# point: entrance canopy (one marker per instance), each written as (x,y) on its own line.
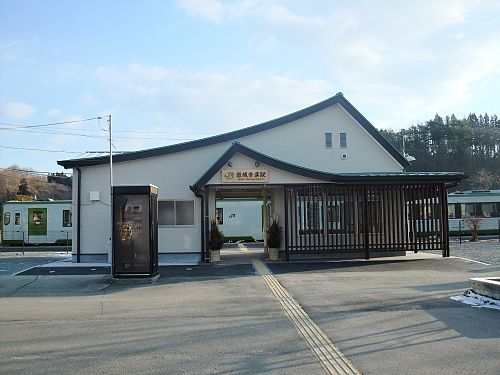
(298,174)
(340,214)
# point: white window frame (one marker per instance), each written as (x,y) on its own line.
(330,145)
(340,140)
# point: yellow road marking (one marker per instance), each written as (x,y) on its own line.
(330,356)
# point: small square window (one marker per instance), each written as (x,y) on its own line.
(328,140)
(343,140)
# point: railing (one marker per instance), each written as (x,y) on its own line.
(366,218)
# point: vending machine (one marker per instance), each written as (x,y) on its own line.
(135,231)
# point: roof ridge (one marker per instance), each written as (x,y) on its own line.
(244,132)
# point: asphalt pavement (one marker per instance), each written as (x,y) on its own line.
(390,316)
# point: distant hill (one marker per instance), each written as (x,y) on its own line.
(21,181)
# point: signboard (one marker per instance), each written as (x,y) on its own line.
(245,175)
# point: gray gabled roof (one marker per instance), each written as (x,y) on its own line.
(237,134)
(448,178)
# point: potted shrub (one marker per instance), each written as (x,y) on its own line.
(274,236)
(215,241)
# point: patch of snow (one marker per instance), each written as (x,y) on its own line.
(477,300)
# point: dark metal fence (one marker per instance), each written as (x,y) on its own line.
(366,218)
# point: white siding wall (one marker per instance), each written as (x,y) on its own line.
(276,176)
(300,142)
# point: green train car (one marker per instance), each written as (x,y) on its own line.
(36,222)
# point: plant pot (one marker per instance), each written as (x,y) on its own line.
(274,253)
(214,256)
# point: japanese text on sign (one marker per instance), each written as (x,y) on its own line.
(244,175)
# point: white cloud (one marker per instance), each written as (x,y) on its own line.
(89,100)
(18,110)
(269,11)
(211,10)
(210,101)
(54,112)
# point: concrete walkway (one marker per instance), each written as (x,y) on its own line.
(389,316)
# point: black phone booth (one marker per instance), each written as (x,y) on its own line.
(135,231)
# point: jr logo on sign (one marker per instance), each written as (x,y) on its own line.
(229,175)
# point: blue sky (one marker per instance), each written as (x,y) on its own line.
(170,71)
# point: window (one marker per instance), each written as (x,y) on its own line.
(468,210)
(17,218)
(6,218)
(343,140)
(38,218)
(220,215)
(487,209)
(176,213)
(328,140)
(67,219)
(454,211)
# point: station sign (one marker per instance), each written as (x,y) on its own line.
(245,175)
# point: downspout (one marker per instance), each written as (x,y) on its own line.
(201,195)
(78,213)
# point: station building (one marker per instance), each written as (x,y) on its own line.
(336,185)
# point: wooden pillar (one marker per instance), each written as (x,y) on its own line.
(287,202)
(366,238)
(265,223)
(443,200)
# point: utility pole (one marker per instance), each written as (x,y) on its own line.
(110,154)
(110,128)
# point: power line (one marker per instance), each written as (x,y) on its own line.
(53,132)
(32,171)
(50,124)
(94,136)
(159,132)
(37,149)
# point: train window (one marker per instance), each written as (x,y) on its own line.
(67,218)
(17,218)
(6,218)
(487,209)
(451,211)
(468,210)
(38,218)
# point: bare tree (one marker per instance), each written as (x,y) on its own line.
(474,224)
(484,180)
